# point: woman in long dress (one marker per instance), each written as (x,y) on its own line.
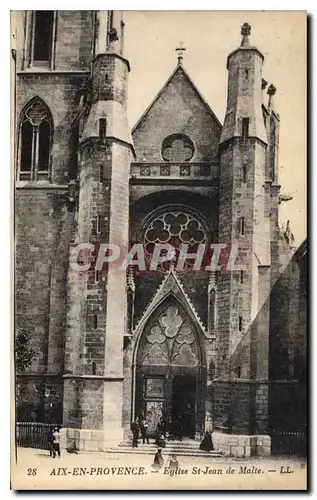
(206,444)
(158,460)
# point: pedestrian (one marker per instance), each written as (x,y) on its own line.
(206,444)
(144,430)
(56,442)
(159,441)
(158,460)
(173,462)
(135,433)
(50,444)
(163,426)
(178,429)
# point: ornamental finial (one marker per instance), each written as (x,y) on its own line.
(271,91)
(245,32)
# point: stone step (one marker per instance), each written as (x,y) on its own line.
(175,444)
(185,448)
(148,450)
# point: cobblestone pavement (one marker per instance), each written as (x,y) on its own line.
(35,469)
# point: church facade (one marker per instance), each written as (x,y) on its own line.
(197,348)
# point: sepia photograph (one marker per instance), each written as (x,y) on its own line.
(159,242)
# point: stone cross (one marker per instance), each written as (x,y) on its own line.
(180,52)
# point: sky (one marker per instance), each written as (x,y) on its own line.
(209,36)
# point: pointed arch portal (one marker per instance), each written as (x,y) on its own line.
(170,371)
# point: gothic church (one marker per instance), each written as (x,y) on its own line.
(206,351)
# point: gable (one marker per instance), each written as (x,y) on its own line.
(177,109)
(171,285)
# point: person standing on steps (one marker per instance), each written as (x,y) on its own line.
(159,441)
(144,430)
(135,433)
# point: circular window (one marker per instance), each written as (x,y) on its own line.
(177,148)
(174,227)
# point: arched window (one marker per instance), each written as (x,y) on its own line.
(35,140)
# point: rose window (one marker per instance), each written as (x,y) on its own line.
(174,228)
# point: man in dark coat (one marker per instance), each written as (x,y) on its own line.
(144,430)
(50,444)
(135,434)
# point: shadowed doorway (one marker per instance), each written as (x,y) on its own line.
(184,405)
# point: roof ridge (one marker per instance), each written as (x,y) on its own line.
(157,95)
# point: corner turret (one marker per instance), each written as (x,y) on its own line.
(244,116)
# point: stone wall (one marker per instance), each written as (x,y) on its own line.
(288,333)
(43,231)
(44,216)
(242,446)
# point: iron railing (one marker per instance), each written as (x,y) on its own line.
(284,442)
(34,434)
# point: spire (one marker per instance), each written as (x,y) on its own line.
(288,235)
(245,32)
(180,52)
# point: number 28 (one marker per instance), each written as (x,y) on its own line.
(31,472)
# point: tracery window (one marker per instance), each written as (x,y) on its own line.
(177,148)
(35,139)
(170,340)
(174,227)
